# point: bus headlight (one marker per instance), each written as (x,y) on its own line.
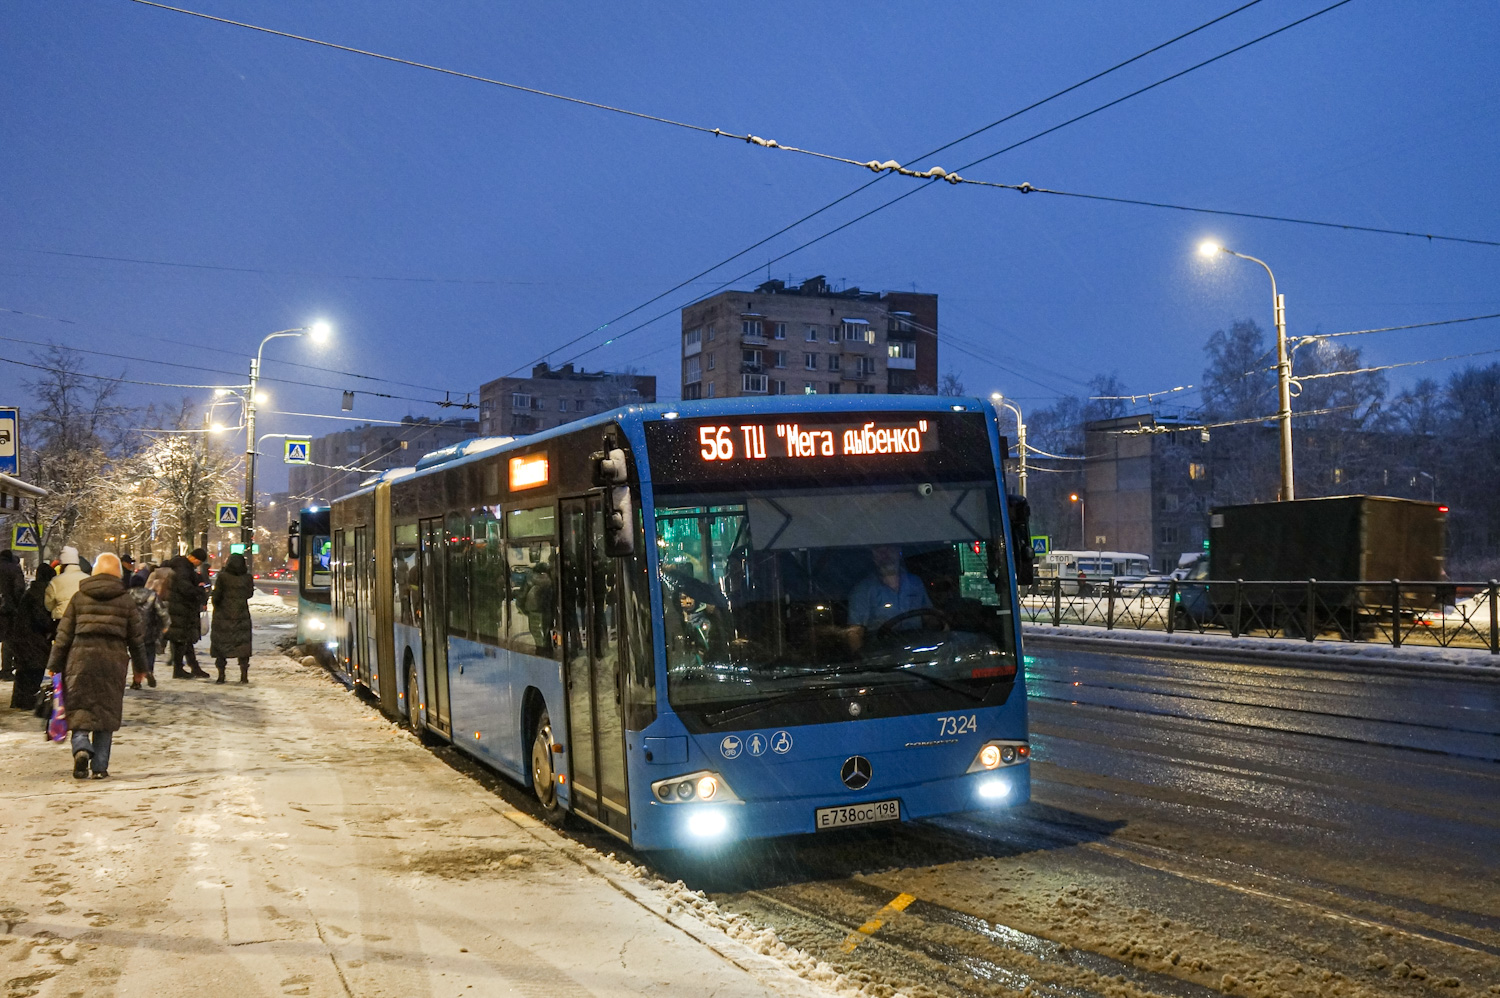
(995,789)
(998,754)
(316,624)
(694,788)
(708,824)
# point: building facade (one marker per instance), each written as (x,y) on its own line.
(512,407)
(793,339)
(370,449)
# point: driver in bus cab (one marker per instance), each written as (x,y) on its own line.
(887,592)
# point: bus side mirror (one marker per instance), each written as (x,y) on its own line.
(294,542)
(619,522)
(1020,539)
(609,465)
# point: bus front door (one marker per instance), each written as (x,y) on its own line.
(434,624)
(590,625)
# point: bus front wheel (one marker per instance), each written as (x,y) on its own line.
(543,776)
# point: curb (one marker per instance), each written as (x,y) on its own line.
(1369,658)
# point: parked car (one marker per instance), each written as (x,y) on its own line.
(1473,611)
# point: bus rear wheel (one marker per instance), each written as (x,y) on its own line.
(543,777)
(413,712)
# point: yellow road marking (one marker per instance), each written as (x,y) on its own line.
(894,907)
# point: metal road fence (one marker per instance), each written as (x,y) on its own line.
(1443,614)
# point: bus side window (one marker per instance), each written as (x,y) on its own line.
(406,583)
(533,575)
(489,576)
(458,575)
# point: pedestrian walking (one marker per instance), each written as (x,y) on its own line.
(153,628)
(185,603)
(70,575)
(12,588)
(229,631)
(31,640)
(98,637)
(127,569)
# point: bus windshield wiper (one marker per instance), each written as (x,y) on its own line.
(934,680)
(755,706)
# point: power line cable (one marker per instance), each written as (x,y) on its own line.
(839,200)
(954,178)
(1391,367)
(1388,329)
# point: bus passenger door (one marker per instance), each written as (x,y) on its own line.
(434,612)
(590,625)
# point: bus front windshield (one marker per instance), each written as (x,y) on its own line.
(771,593)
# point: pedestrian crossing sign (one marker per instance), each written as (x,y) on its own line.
(1041,543)
(229,514)
(23,537)
(296,451)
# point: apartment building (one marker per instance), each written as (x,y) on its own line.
(511,407)
(809,339)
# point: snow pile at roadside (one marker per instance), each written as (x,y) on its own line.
(261,602)
(1283,648)
(683,901)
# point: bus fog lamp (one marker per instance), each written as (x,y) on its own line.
(685,790)
(707,824)
(1008,754)
(989,756)
(994,789)
(664,791)
(707,787)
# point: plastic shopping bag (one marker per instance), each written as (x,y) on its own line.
(57,725)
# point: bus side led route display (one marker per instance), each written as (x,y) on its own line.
(758,441)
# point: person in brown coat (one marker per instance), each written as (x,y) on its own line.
(98,637)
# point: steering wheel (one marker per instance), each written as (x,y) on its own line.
(885,629)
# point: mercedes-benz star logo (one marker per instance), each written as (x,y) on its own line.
(856,772)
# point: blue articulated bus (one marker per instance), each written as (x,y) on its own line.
(712,621)
(309,544)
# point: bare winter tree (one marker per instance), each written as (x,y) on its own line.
(951,384)
(175,480)
(76,427)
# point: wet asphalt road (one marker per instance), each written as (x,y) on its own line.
(1388,760)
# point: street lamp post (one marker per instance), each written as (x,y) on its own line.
(319,332)
(1083,534)
(999,400)
(1283,367)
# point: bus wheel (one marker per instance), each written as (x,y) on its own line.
(413,713)
(543,778)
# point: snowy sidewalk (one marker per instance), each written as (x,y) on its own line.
(285,839)
(1351,654)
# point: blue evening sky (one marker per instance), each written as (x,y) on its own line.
(454,231)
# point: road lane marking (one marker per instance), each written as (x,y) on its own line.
(894,907)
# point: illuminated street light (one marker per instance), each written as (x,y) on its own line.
(319,332)
(1083,535)
(999,400)
(1210,248)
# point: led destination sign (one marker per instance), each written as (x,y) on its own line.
(756,441)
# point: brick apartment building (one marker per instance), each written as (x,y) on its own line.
(511,407)
(792,339)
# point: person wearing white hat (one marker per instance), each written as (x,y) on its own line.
(61,589)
